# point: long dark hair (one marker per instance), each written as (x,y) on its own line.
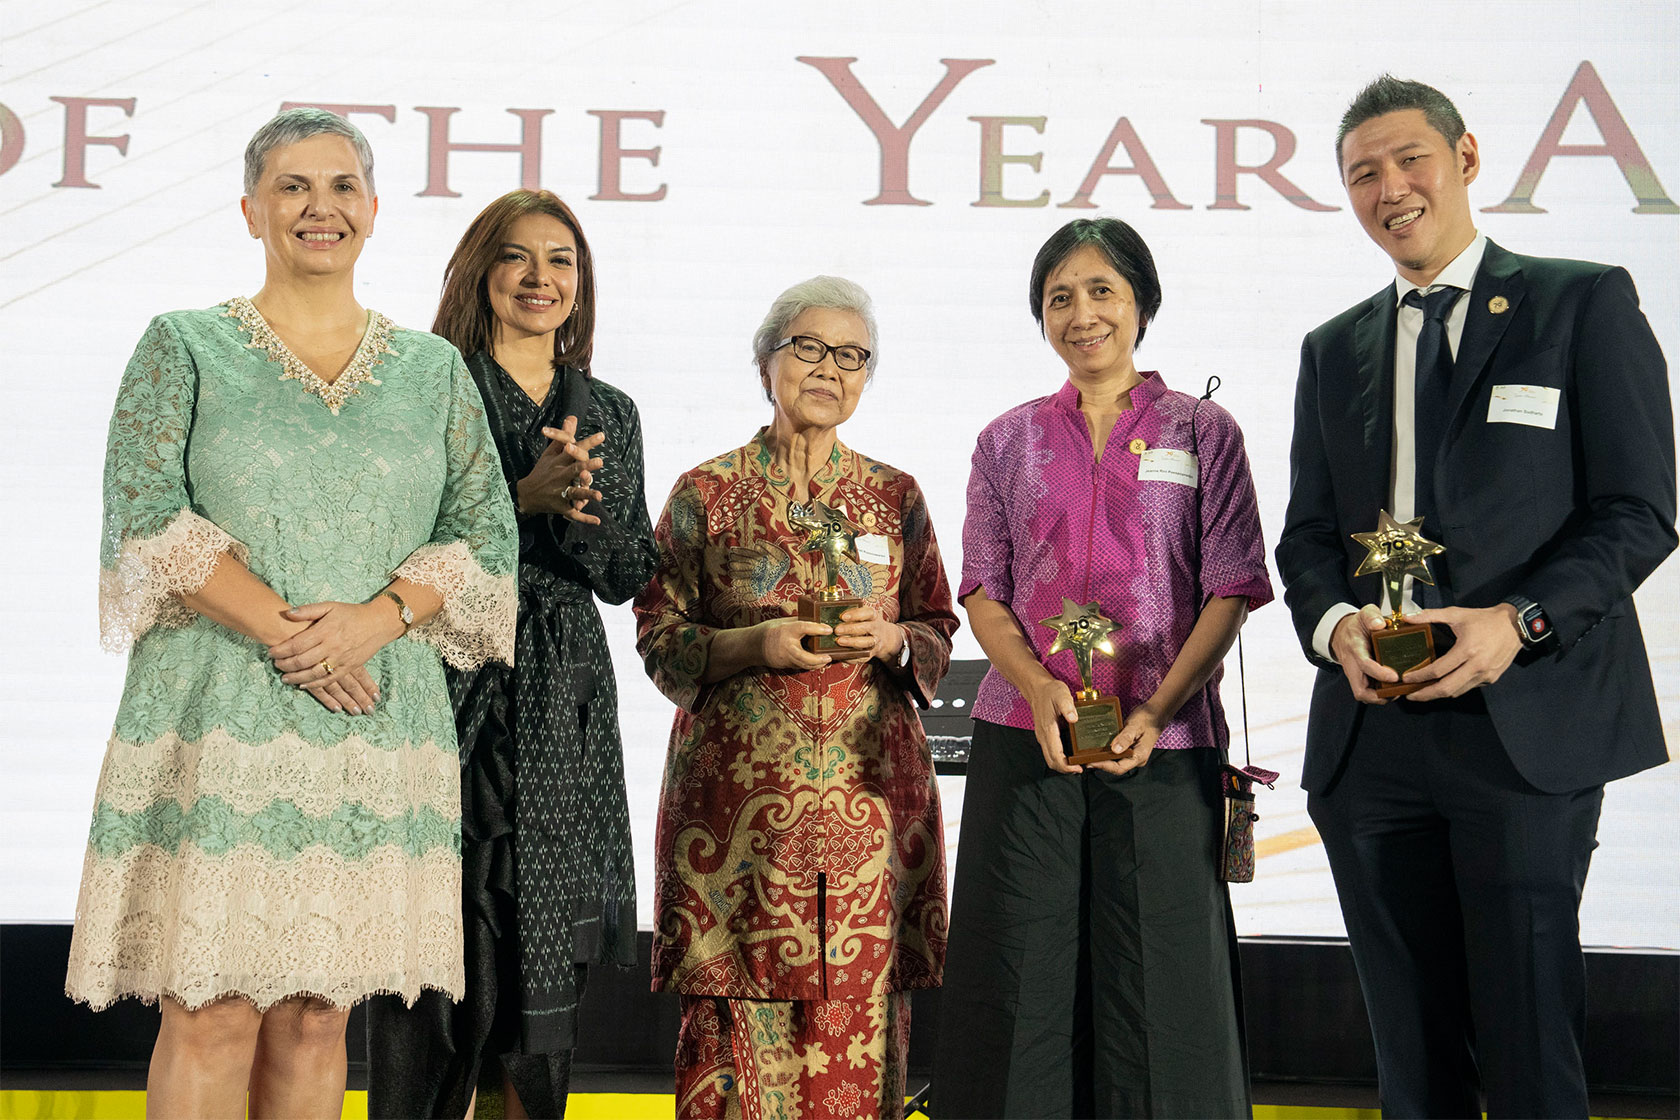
(464,316)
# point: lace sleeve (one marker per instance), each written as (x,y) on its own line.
(473,556)
(154,547)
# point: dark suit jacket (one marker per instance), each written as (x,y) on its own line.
(1574,517)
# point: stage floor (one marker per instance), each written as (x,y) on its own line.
(118,1094)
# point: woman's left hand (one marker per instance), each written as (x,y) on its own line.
(341,637)
(863,628)
(1134,744)
(577,477)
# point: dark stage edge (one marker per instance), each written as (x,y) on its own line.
(1307,1035)
(1278,1094)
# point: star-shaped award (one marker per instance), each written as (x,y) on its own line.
(830,534)
(1081,629)
(1396,549)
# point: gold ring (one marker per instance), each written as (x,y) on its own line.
(327,665)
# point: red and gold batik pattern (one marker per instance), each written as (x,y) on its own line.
(748,1059)
(799,853)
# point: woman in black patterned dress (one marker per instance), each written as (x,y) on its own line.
(548,887)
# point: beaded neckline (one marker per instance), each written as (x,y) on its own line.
(376,342)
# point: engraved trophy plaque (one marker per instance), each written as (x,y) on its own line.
(1397,550)
(835,538)
(1085,630)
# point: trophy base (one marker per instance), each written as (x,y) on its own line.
(1099,722)
(1402,647)
(821,608)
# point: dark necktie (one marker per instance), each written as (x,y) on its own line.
(1429,418)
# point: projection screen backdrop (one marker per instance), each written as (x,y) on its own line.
(718,152)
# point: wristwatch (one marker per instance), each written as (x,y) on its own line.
(403,611)
(1532,622)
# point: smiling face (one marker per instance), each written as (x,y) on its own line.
(533,284)
(1411,190)
(821,395)
(1090,316)
(312,207)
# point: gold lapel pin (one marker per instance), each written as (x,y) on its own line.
(1139,447)
(1499,305)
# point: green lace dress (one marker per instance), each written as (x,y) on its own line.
(245,840)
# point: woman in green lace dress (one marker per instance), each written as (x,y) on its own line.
(304,517)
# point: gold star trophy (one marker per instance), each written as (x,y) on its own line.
(1085,630)
(835,537)
(1397,550)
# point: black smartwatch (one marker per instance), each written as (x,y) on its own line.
(1532,622)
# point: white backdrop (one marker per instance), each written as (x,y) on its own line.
(762,176)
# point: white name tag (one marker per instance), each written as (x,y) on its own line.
(1534,405)
(873,549)
(1167,464)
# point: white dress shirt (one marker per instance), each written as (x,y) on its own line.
(1402,479)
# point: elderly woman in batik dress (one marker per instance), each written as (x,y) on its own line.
(800,870)
(304,518)
(1093,957)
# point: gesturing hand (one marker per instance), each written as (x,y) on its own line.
(864,628)
(1048,700)
(562,481)
(1487,642)
(780,648)
(1350,645)
(339,640)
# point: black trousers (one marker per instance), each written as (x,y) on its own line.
(1460,884)
(1091,969)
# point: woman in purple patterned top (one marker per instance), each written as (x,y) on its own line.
(1092,957)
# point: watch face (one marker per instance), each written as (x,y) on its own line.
(407,616)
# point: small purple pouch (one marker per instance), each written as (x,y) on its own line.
(1236,863)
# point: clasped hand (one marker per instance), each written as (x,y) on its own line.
(1052,701)
(563,479)
(781,640)
(1486,642)
(328,657)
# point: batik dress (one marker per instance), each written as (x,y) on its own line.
(549,885)
(800,869)
(245,840)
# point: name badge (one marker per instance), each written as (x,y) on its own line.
(1168,464)
(873,549)
(1534,405)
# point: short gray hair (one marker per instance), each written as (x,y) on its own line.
(834,293)
(300,124)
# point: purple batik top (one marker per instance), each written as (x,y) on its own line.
(1046,520)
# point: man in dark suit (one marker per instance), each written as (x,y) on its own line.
(1520,406)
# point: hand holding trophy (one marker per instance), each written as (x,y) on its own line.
(1085,630)
(1397,550)
(835,537)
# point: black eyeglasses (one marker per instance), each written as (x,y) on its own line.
(813,350)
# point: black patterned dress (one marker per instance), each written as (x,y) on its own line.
(548,886)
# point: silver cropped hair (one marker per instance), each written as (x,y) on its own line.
(300,124)
(833,292)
